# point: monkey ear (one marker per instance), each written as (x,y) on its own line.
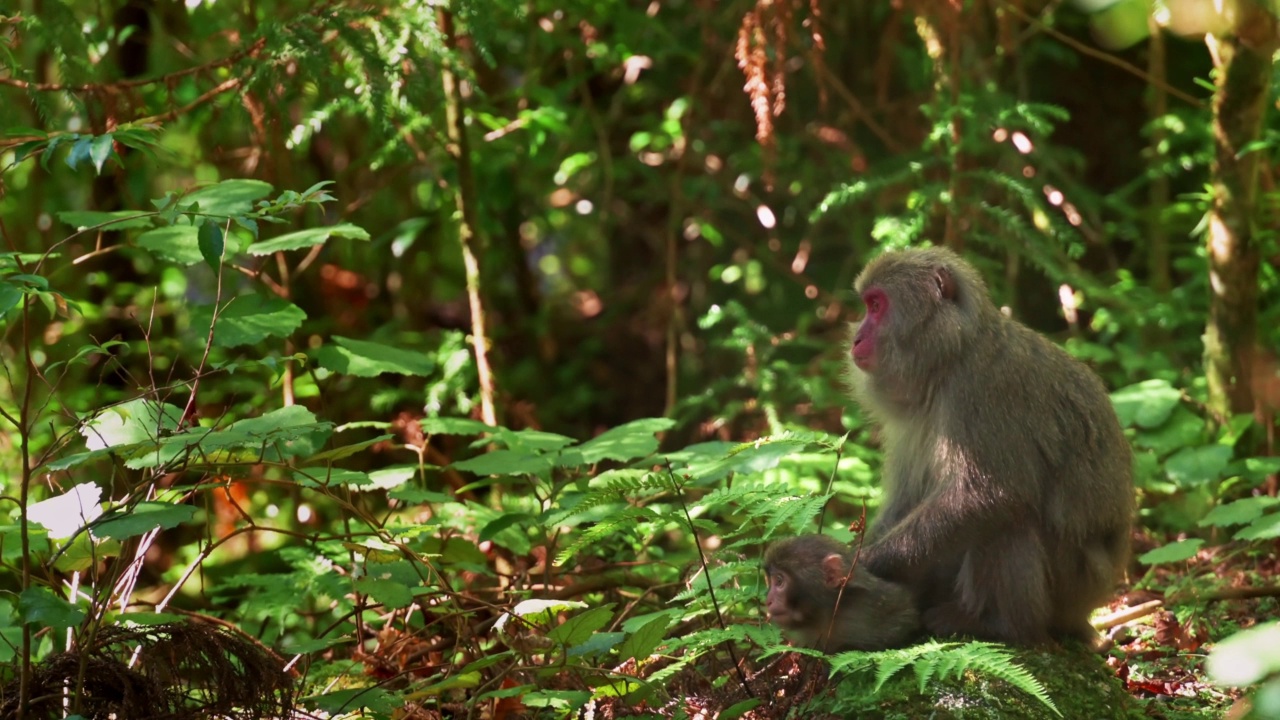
(833,570)
(945,283)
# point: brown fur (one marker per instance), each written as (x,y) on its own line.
(806,577)
(1008,494)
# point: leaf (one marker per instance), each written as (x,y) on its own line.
(10,296)
(1173,552)
(101,149)
(389,593)
(596,644)
(641,643)
(323,477)
(346,702)
(65,514)
(229,197)
(181,244)
(1246,657)
(578,628)
(123,523)
(370,359)
(1238,512)
(537,611)
(625,442)
(454,426)
(1264,528)
(79,152)
(39,606)
(248,319)
(343,451)
(210,243)
(1182,429)
(307,238)
(117,220)
(505,462)
(1197,465)
(502,522)
(1146,404)
(128,423)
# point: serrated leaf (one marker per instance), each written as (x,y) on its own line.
(1266,527)
(100,150)
(322,477)
(370,359)
(502,522)
(1246,657)
(210,243)
(1194,466)
(63,515)
(344,451)
(307,238)
(131,422)
(454,426)
(1173,552)
(578,628)
(625,442)
(537,612)
(1146,404)
(181,244)
(596,644)
(248,319)
(641,643)
(346,702)
(39,606)
(123,523)
(10,296)
(79,152)
(505,462)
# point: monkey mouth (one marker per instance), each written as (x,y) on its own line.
(862,357)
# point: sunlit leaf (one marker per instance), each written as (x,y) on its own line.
(1146,404)
(65,514)
(1197,465)
(308,238)
(248,319)
(125,522)
(39,606)
(1246,657)
(209,240)
(1173,552)
(370,359)
(118,220)
(229,197)
(625,442)
(578,628)
(130,422)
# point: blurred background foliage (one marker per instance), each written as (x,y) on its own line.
(667,202)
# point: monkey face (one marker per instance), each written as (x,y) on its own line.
(780,605)
(864,340)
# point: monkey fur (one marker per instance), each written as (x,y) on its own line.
(810,581)
(1008,490)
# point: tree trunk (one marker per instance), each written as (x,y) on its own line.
(1243,61)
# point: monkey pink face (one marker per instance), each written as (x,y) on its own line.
(777,604)
(864,341)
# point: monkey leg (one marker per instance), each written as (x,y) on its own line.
(1001,592)
(1085,579)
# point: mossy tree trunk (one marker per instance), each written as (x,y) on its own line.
(1244,60)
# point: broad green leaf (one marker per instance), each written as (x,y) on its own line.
(370,359)
(248,319)
(101,149)
(1246,657)
(83,552)
(536,440)
(1197,465)
(229,197)
(181,244)
(391,594)
(209,241)
(389,478)
(1266,527)
(1183,428)
(1173,552)
(578,628)
(537,612)
(1257,469)
(39,606)
(454,426)
(318,477)
(625,442)
(131,422)
(10,296)
(641,643)
(504,521)
(118,220)
(1146,404)
(598,643)
(343,451)
(79,152)
(505,462)
(346,702)
(123,523)
(307,238)
(1239,512)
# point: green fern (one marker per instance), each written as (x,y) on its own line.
(940,659)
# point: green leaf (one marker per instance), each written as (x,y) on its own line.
(1146,404)
(344,451)
(79,152)
(131,422)
(323,477)
(1239,512)
(1173,552)
(229,197)
(118,220)
(389,593)
(578,628)
(502,522)
(1266,527)
(597,644)
(536,612)
(454,426)
(307,238)
(1182,429)
(505,462)
(10,296)
(210,243)
(123,523)
(625,442)
(1246,657)
(370,359)
(248,319)
(1197,465)
(641,643)
(63,515)
(101,149)
(39,606)
(346,702)
(181,244)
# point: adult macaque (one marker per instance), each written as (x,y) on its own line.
(814,596)
(1007,482)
